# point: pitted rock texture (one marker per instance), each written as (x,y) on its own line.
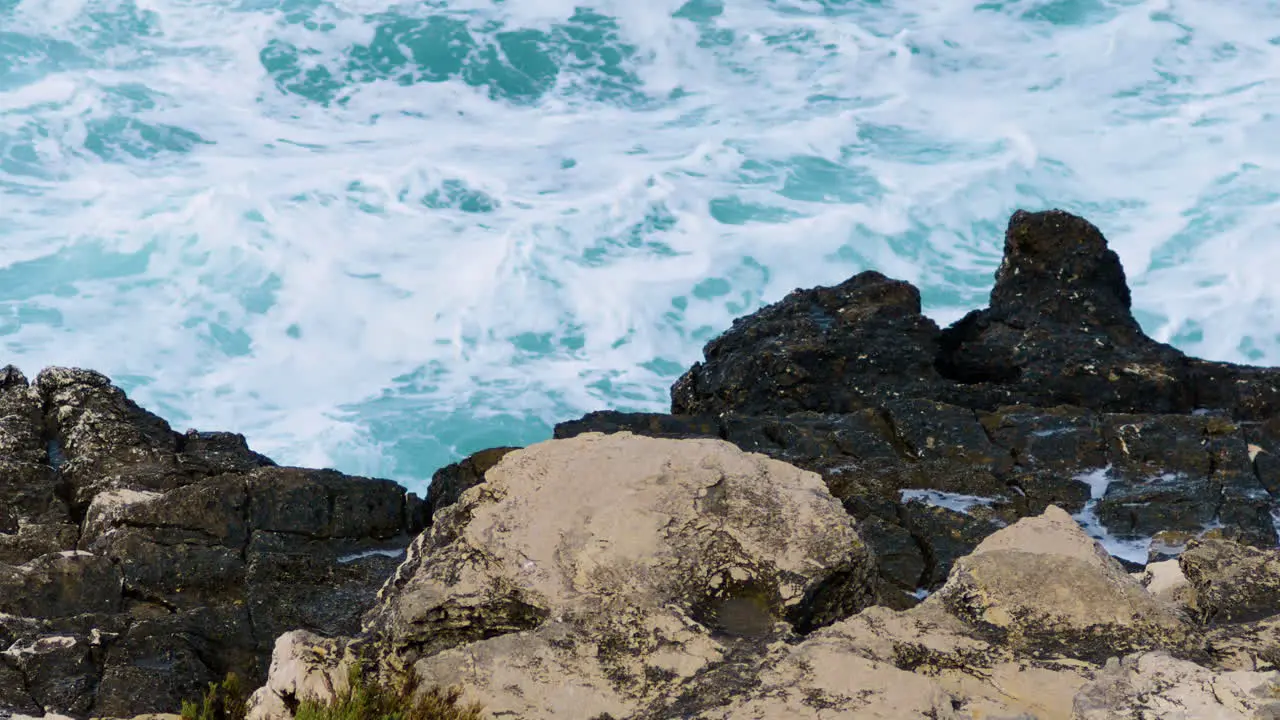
(1059,331)
(1230,583)
(1018,406)
(1044,583)
(573,583)
(141,564)
(602,572)
(1155,685)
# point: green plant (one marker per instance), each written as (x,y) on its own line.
(369,699)
(222,701)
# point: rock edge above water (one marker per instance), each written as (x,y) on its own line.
(150,562)
(569,579)
(138,564)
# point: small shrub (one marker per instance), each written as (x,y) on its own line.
(369,699)
(222,701)
(363,699)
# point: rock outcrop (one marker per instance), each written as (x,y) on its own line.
(138,564)
(935,438)
(601,574)
(618,577)
(850,513)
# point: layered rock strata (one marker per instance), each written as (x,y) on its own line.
(137,564)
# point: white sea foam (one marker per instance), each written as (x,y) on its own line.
(352,557)
(284,280)
(951,501)
(1132,549)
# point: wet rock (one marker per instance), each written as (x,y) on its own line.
(22,439)
(901,560)
(102,438)
(33,540)
(1059,329)
(948,536)
(60,671)
(59,585)
(183,548)
(205,454)
(324,504)
(151,669)
(648,424)
(1182,473)
(33,494)
(1263,446)
(329,586)
(14,698)
(449,482)
(827,349)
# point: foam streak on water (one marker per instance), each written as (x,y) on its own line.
(1135,550)
(956,502)
(377,235)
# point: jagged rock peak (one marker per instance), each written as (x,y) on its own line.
(1058,265)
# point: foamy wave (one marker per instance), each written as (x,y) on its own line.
(374,236)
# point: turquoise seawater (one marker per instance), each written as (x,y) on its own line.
(377,236)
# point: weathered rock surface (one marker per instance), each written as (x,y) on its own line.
(138,564)
(1042,583)
(303,665)
(1059,331)
(1231,583)
(611,574)
(619,577)
(935,438)
(1155,685)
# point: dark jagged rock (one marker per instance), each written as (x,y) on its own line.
(449,482)
(833,349)
(138,564)
(1048,394)
(1059,331)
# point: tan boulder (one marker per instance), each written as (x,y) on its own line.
(626,578)
(303,666)
(1155,686)
(605,571)
(1043,585)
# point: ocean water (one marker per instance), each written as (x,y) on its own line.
(377,236)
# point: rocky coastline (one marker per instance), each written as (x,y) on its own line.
(849,513)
